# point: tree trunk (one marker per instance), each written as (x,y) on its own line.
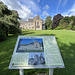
(6,32)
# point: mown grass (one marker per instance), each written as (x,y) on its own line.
(66,43)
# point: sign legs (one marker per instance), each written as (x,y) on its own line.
(21,71)
(50,71)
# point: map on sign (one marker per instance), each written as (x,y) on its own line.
(36,52)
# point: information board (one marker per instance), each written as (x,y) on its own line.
(36,52)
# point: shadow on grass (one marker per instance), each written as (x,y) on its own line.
(6,50)
(68,55)
(27,32)
(22,33)
(47,35)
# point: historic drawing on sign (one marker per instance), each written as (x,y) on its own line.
(36,58)
(30,45)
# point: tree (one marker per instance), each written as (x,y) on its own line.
(8,18)
(48,22)
(56,20)
(14,27)
(73,21)
(4,11)
(64,22)
(67,23)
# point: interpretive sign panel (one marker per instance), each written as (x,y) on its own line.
(36,52)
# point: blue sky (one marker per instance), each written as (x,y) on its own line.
(28,41)
(30,8)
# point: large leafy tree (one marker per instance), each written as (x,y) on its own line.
(64,22)
(4,24)
(67,23)
(72,18)
(56,20)
(8,18)
(48,22)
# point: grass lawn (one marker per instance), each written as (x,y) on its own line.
(66,42)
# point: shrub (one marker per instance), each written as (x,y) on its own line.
(69,27)
(2,36)
(58,28)
(73,28)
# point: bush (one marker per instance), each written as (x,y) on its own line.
(69,27)
(49,28)
(14,30)
(2,36)
(58,28)
(73,28)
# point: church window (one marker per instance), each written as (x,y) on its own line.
(38,18)
(37,23)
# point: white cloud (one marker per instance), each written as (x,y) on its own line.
(24,8)
(70,12)
(46,7)
(33,6)
(64,2)
(61,3)
(58,5)
(45,13)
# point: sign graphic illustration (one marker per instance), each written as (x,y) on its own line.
(30,45)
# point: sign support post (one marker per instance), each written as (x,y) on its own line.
(50,71)
(21,71)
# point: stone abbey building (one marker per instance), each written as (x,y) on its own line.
(32,46)
(33,24)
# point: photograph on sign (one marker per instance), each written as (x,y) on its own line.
(30,45)
(37,58)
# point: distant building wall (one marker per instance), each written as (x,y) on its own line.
(32,24)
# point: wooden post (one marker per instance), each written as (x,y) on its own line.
(50,71)
(21,71)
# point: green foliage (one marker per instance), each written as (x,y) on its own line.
(56,20)
(58,28)
(73,21)
(69,27)
(48,22)
(73,28)
(14,30)
(8,18)
(62,24)
(66,19)
(2,36)
(67,23)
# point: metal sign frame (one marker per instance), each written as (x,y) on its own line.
(51,67)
